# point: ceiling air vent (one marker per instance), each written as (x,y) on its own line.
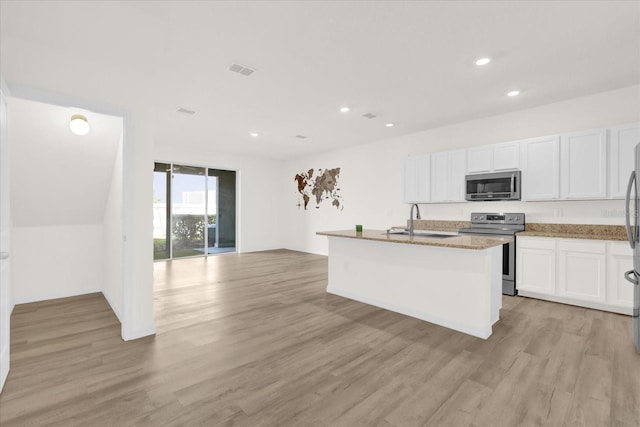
(369,116)
(301,136)
(241,69)
(185,111)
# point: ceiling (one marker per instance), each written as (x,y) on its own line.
(59,178)
(410,63)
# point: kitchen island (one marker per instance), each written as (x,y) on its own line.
(452,281)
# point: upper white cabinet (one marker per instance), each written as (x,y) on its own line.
(506,156)
(447,176)
(540,159)
(622,142)
(480,159)
(583,165)
(415,172)
(496,157)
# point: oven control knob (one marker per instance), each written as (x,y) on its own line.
(509,218)
(474,217)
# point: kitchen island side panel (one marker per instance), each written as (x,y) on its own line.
(455,288)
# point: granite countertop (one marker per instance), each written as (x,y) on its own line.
(576,231)
(459,241)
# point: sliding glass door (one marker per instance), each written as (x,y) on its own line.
(200,217)
(188,208)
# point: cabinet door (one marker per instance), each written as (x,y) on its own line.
(540,160)
(480,159)
(439,176)
(619,260)
(416,179)
(457,171)
(623,140)
(536,265)
(583,165)
(581,269)
(506,156)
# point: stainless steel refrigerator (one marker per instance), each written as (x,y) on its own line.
(633,233)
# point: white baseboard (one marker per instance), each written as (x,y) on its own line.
(134,335)
(579,303)
(4,366)
(54,295)
(412,313)
(113,306)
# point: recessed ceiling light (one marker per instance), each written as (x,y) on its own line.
(344,109)
(389,125)
(79,124)
(513,93)
(482,61)
(241,69)
(254,134)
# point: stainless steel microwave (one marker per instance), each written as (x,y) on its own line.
(493,186)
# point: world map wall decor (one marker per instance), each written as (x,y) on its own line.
(321,186)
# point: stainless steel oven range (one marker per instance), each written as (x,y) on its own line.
(500,224)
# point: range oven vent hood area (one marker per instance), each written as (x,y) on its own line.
(493,186)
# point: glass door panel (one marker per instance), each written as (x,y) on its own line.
(222,206)
(188,197)
(161,211)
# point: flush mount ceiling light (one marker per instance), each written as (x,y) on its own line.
(513,93)
(79,124)
(482,61)
(389,125)
(344,109)
(254,134)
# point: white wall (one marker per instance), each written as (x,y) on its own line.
(112,287)
(259,215)
(56,262)
(371,181)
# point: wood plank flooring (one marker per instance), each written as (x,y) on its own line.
(254,340)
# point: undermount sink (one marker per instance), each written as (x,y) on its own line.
(425,233)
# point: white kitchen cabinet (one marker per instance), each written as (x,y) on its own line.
(583,165)
(622,142)
(416,179)
(480,159)
(540,160)
(447,176)
(506,156)
(536,265)
(619,260)
(581,269)
(582,272)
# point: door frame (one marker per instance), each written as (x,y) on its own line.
(128,331)
(6,303)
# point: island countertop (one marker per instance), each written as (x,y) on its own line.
(461,241)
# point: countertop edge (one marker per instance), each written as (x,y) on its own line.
(481,243)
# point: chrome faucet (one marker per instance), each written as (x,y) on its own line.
(415,205)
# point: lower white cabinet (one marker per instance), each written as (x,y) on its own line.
(581,269)
(588,273)
(536,264)
(619,260)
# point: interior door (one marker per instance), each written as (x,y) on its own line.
(5,304)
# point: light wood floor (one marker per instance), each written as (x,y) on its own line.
(254,340)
